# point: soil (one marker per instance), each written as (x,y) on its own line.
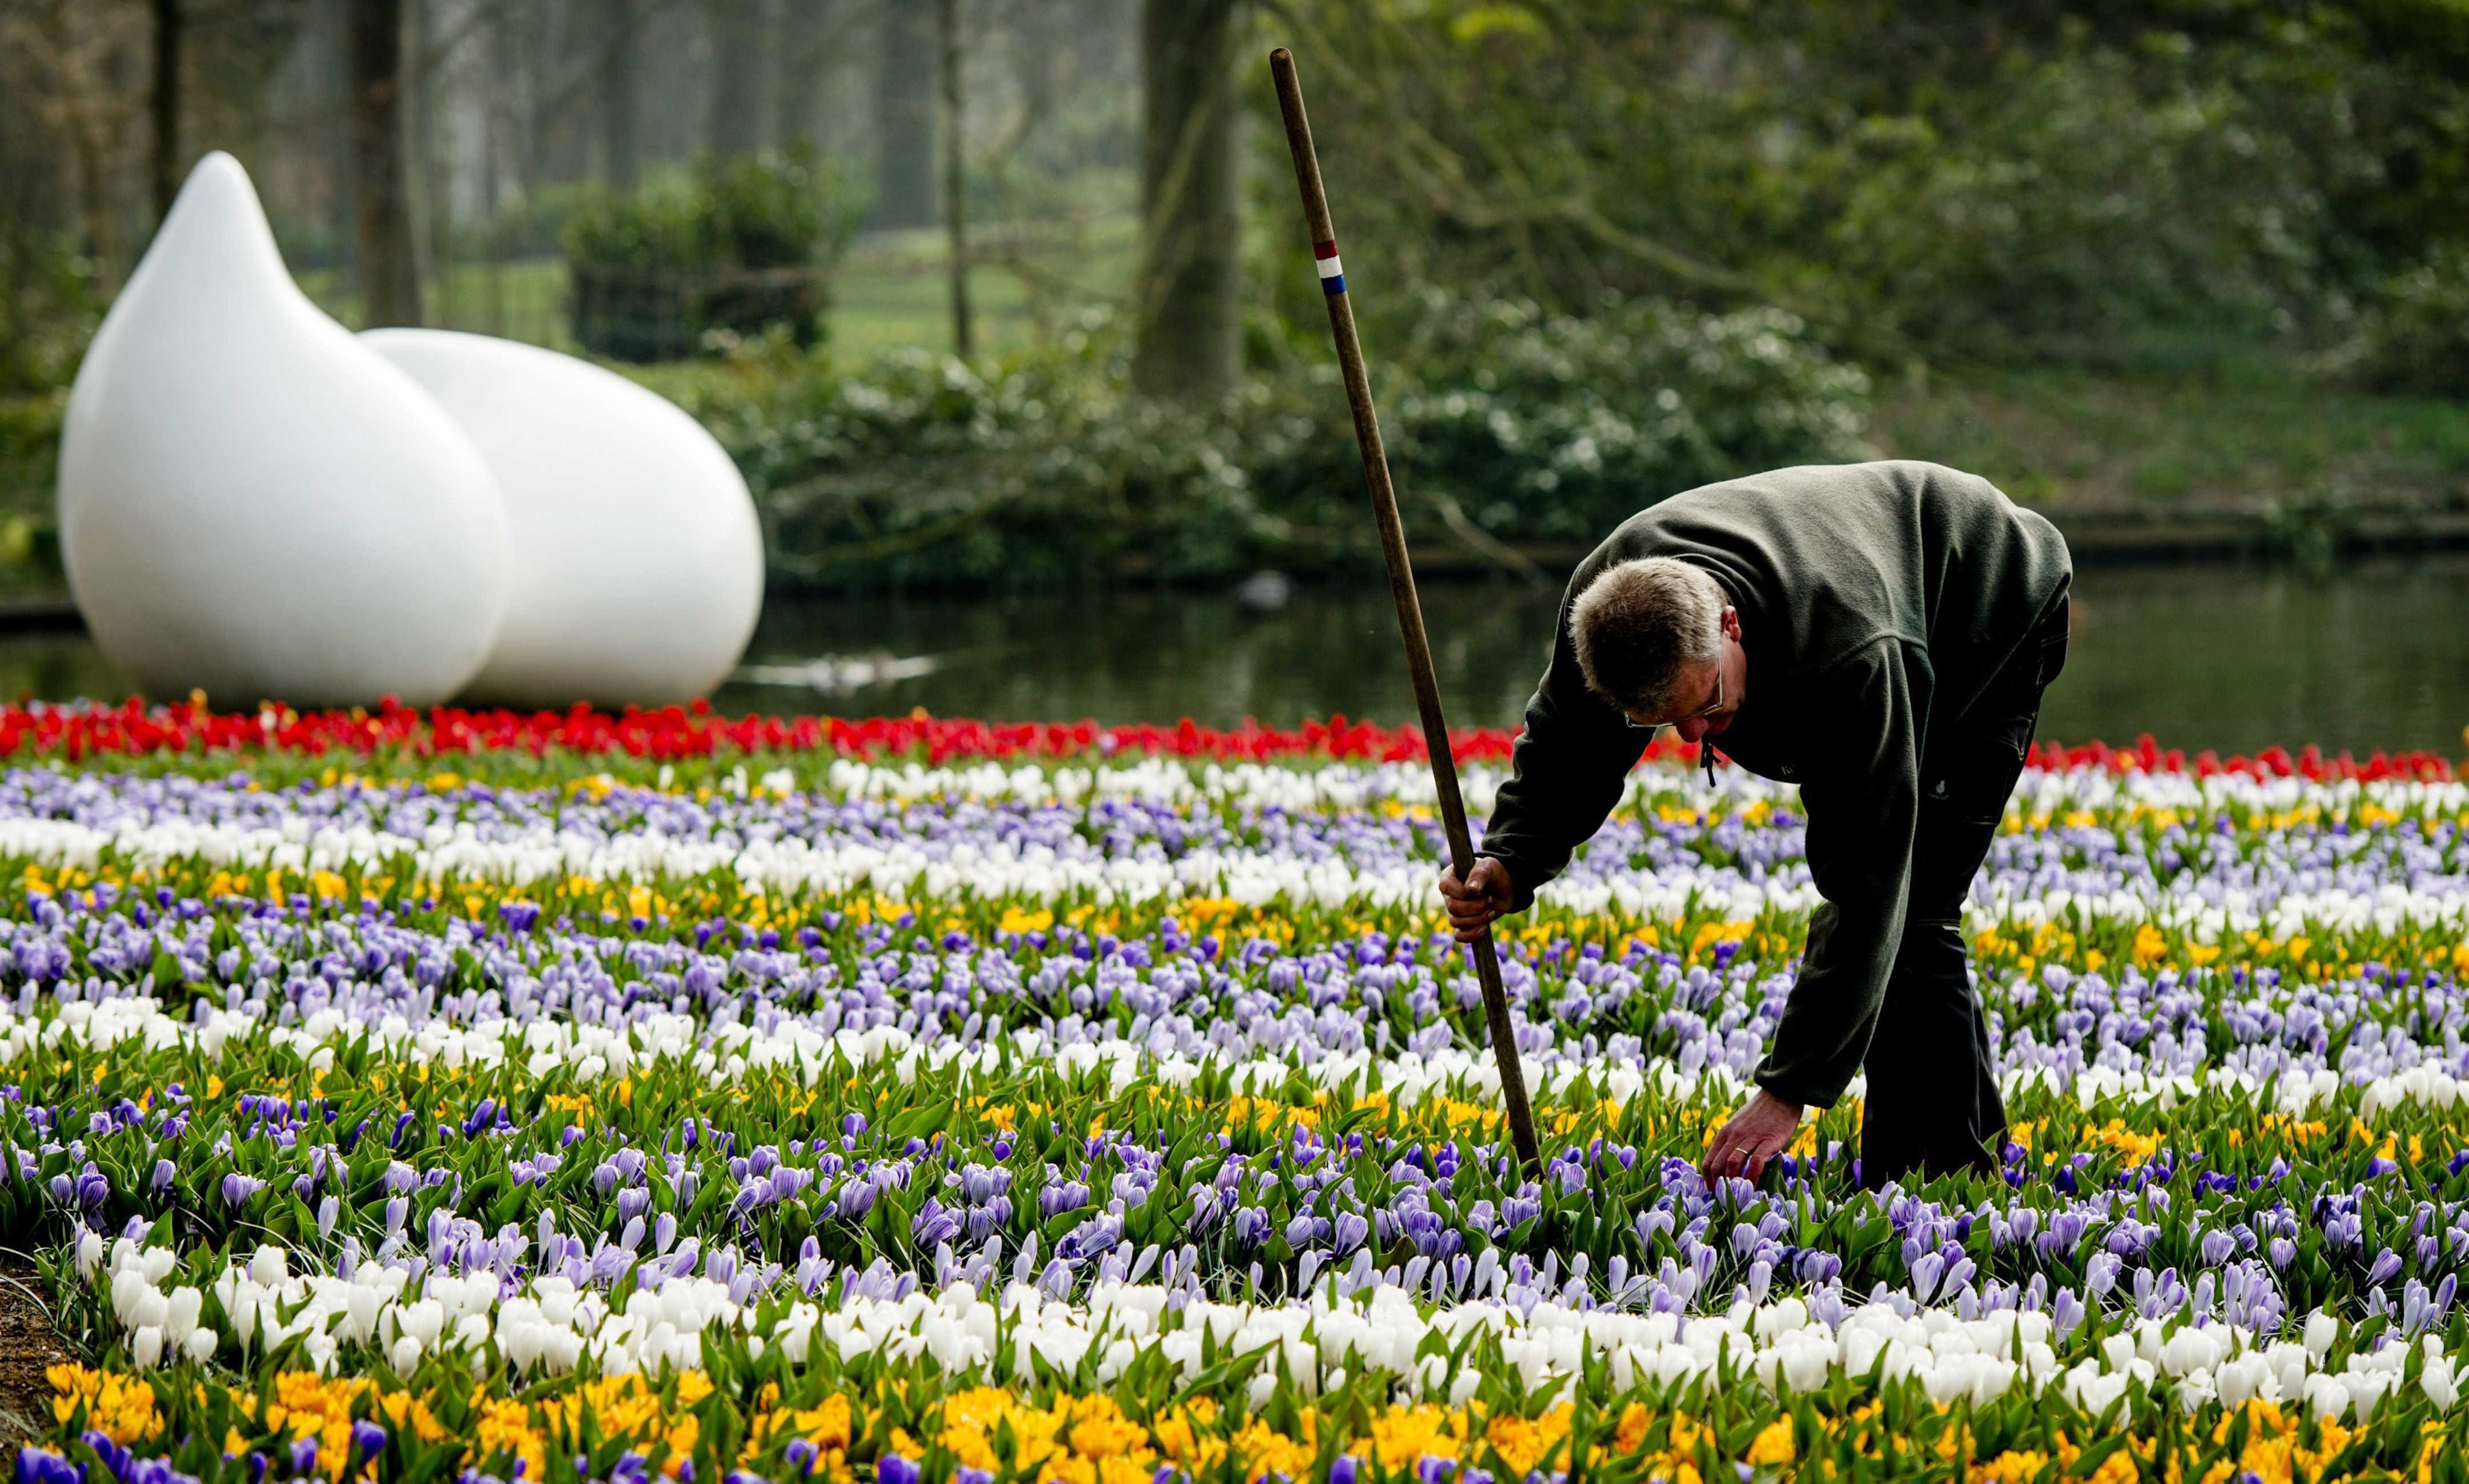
(28,1345)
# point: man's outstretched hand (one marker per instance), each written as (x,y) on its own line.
(1479,901)
(1757,1133)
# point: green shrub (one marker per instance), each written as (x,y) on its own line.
(49,309)
(1046,468)
(738,245)
(924,470)
(2416,339)
(30,451)
(1554,427)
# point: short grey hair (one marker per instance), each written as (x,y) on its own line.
(1639,623)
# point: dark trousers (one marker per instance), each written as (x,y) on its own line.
(1932,1104)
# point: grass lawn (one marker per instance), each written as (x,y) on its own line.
(2242,440)
(894,290)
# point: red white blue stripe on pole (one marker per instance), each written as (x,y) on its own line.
(1332,278)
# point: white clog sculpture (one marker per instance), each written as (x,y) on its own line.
(637,562)
(254,502)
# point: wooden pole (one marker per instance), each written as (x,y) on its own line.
(1401,586)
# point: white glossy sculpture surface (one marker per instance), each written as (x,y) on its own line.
(256,503)
(637,559)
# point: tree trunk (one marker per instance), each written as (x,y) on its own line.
(904,115)
(956,174)
(389,277)
(1187,342)
(163,104)
(736,75)
(613,95)
(428,156)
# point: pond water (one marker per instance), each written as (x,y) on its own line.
(2233,657)
(2229,657)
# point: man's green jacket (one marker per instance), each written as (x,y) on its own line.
(1878,602)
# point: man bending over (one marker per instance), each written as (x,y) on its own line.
(1878,635)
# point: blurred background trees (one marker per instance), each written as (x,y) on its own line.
(2144,255)
(2048,179)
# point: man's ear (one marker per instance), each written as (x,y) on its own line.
(1731,621)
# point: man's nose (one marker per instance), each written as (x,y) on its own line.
(1692,729)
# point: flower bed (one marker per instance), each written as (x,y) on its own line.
(926,1099)
(693,740)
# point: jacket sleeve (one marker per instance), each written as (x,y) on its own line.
(1566,772)
(1862,811)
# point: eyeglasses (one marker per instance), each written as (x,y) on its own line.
(1655,727)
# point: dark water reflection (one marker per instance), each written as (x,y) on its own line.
(2235,658)
(2372,654)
